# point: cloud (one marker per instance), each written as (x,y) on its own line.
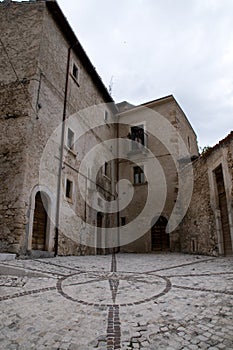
(154,48)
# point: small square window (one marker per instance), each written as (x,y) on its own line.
(75,71)
(69,189)
(70,139)
(138,175)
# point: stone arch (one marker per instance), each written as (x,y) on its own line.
(43,198)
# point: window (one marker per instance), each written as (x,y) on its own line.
(69,189)
(123,221)
(75,71)
(100,202)
(106,116)
(106,168)
(189,142)
(138,175)
(138,135)
(70,139)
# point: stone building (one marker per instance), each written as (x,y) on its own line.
(46,77)
(60,174)
(160,125)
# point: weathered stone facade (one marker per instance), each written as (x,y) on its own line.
(36,42)
(164,126)
(47,78)
(202,229)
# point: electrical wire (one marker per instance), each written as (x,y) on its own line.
(17,77)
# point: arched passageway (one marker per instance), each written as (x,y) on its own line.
(40,222)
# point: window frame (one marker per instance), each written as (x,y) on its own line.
(69,196)
(75,68)
(106,167)
(140,174)
(107,170)
(69,145)
(123,220)
(142,125)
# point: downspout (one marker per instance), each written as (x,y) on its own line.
(59,183)
(117,180)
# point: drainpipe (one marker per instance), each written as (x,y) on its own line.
(59,183)
(117,179)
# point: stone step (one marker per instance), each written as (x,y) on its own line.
(38,254)
(7,256)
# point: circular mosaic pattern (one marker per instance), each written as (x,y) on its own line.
(112,288)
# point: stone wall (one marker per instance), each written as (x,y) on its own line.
(20,28)
(17,63)
(200,231)
(14,116)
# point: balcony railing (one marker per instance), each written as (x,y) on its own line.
(139,145)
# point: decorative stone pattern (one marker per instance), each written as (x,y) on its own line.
(194,313)
(113,330)
(7,281)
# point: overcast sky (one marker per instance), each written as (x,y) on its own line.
(153,48)
(147,49)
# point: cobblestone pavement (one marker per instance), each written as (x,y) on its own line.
(123,301)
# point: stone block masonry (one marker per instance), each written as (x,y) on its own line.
(202,230)
(35,38)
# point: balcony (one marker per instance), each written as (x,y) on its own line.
(138,144)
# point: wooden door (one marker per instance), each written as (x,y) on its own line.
(39,223)
(222,201)
(159,238)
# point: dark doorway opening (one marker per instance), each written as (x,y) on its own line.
(99,250)
(40,222)
(160,241)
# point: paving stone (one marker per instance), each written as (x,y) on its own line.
(165,301)
(203,345)
(193,347)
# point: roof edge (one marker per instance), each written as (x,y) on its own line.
(218,145)
(158,101)
(73,41)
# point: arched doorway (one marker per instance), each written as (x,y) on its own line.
(160,240)
(40,222)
